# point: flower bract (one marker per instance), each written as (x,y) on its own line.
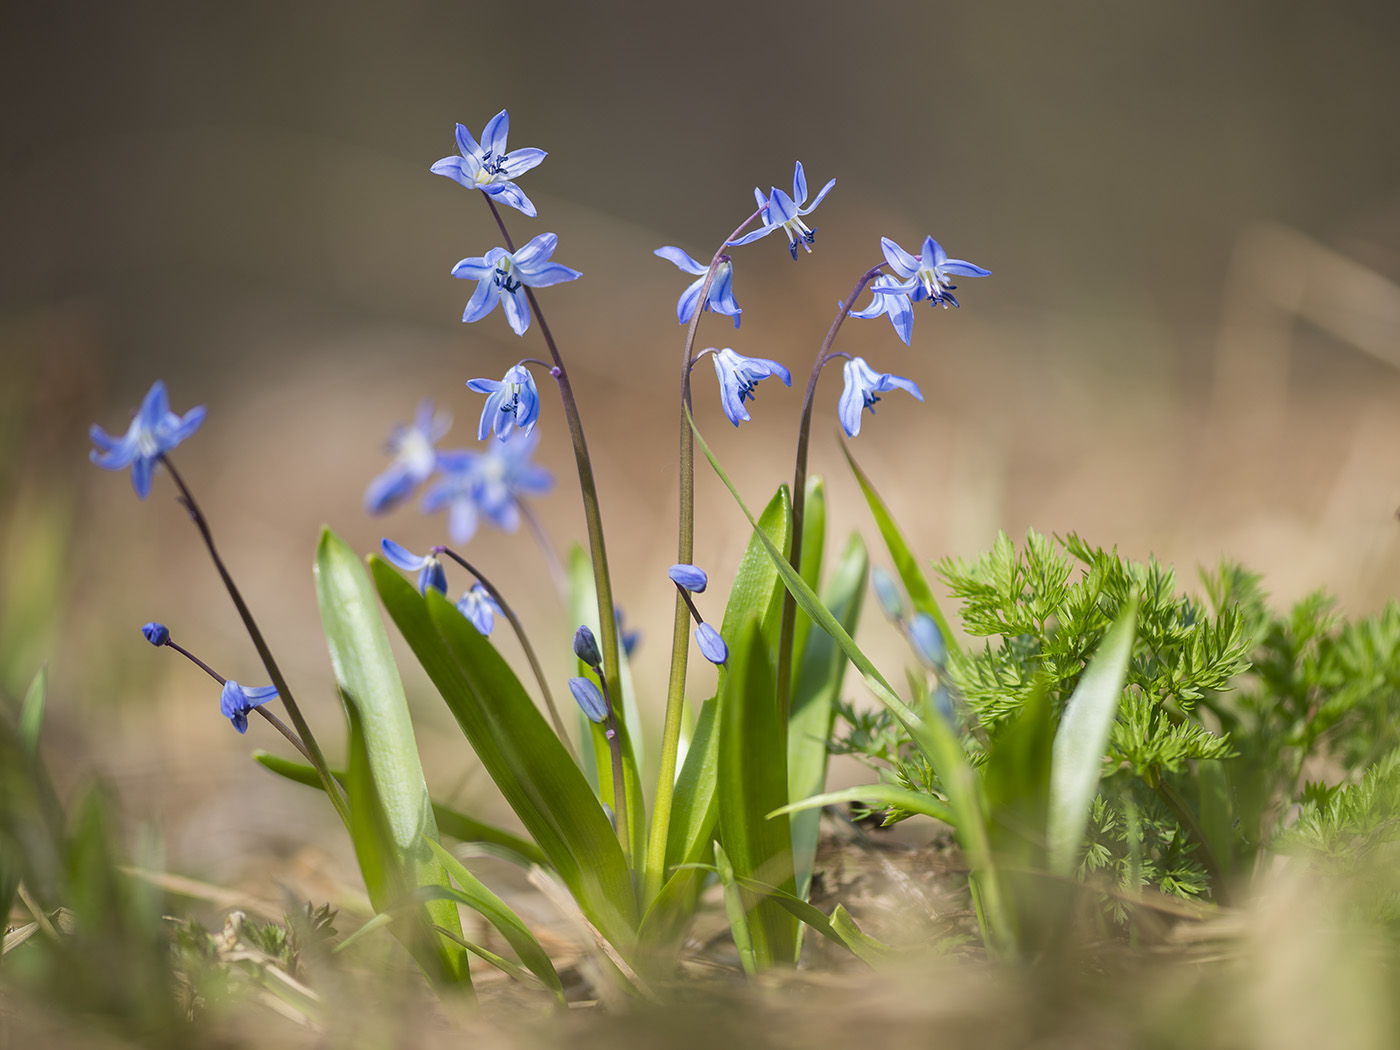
(153,432)
(590,698)
(428,567)
(414,459)
(786,213)
(928,276)
(711,645)
(479,608)
(504,276)
(512,401)
(890,299)
(721,297)
(486,165)
(691,577)
(237,700)
(738,375)
(862,390)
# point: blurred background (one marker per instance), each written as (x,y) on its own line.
(1189,346)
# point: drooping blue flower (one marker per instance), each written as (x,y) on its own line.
(154,431)
(786,213)
(721,297)
(628,639)
(887,592)
(513,401)
(505,276)
(863,385)
(927,640)
(890,298)
(236,701)
(414,459)
(479,608)
(691,577)
(490,483)
(590,698)
(156,633)
(428,567)
(488,167)
(737,376)
(586,647)
(928,277)
(711,645)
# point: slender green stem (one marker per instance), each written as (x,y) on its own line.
(623,827)
(655,870)
(303,728)
(524,644)
(799,491)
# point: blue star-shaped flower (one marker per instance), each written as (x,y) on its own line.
(863,384)
(414,459)
(927,277)
(721,297)
(237,700)
(479,608)
(503,275)
(489,483)
(428,567)
(737,376)
(155,431)
(513,401)
(488,167)
(890,298)
(782,211)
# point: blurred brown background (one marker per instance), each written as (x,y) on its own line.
(1188,346)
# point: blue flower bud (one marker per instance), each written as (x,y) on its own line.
(691,577)
(589,698)
(156,633)
(711,644)
(887,593)
(586,647)
(927,640)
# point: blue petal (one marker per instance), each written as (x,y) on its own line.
(454,168)
(389,489)
(927,640)
(155,407)
(730,397)
(753,235)
(711,645)
(722,299)
(141,476)
(691,577)
(461,520)
(510,194)
(589,699)
(894,382)
(851,402)
(900,261)
(517,312)
(690,298)
(521,161)
(543,275)
(184,427)
(781,207)
(399,556)
(466,143)
(536,250)
(963,268)
(799,184)
(478,268)
(681,259)
(432,575)
(818,199)
(493,136)
(902,317)
(258,695)
(482,302)
(886,592)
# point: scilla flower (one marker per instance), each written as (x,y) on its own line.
(155,431)
(480,608)
(890,298)
(785,213)
(503,275)
(711,645)
(691,577)
(738,375)
(927,277)
(414,459)
(927,640)
(513,401)
(721,297)
(589,698)
(488,167)
(237,700)
(863,385)
(428,567)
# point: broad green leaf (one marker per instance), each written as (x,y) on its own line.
(501,963)
(373,693)
(920,593)
(813,550)
(476,896)
(520,752)
(886,794)
(818,684)
(861,944)
(736,912)
(31,712)
(1082,739)
(451,822)
(751,783)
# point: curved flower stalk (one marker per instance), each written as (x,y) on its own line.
(415,459)
(503,276)
(154,431)
(486,166)
(786,213)
(862,390)
(720,297)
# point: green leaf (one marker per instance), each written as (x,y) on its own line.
(886,794)
(520,752)
(476,896)
(920,593)
(813,549)
(818,685)
(451,822)
(736,912)
(31,712)
(752,782)
(1082,737)
(374,699)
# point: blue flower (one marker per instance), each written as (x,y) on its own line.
(927,640)
(927,277)
(155,431)
(502,274)
(428,567)
(628,639)
(863,383)
(156,633)
(721,297)
(480,608)
(513,402)
(887,593)
(691,577)
(489,483)
(737,376)
(782,211)
(488,167)
(414,459)
(586,647)
(890,298)
(459,491)
(236,701)
(589,698)
(711,645)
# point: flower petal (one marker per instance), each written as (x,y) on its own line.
(466,143)
(821,195)
(482,302)
(544,275)
(711,645)
(536,250)
(900,261)
(799,184)
(521,161)
(493,136)
(682,259)
(691,577)
(517,312)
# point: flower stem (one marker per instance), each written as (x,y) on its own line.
(311,749)
(524,644)
(623,828)
(655,870)
(799,491)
